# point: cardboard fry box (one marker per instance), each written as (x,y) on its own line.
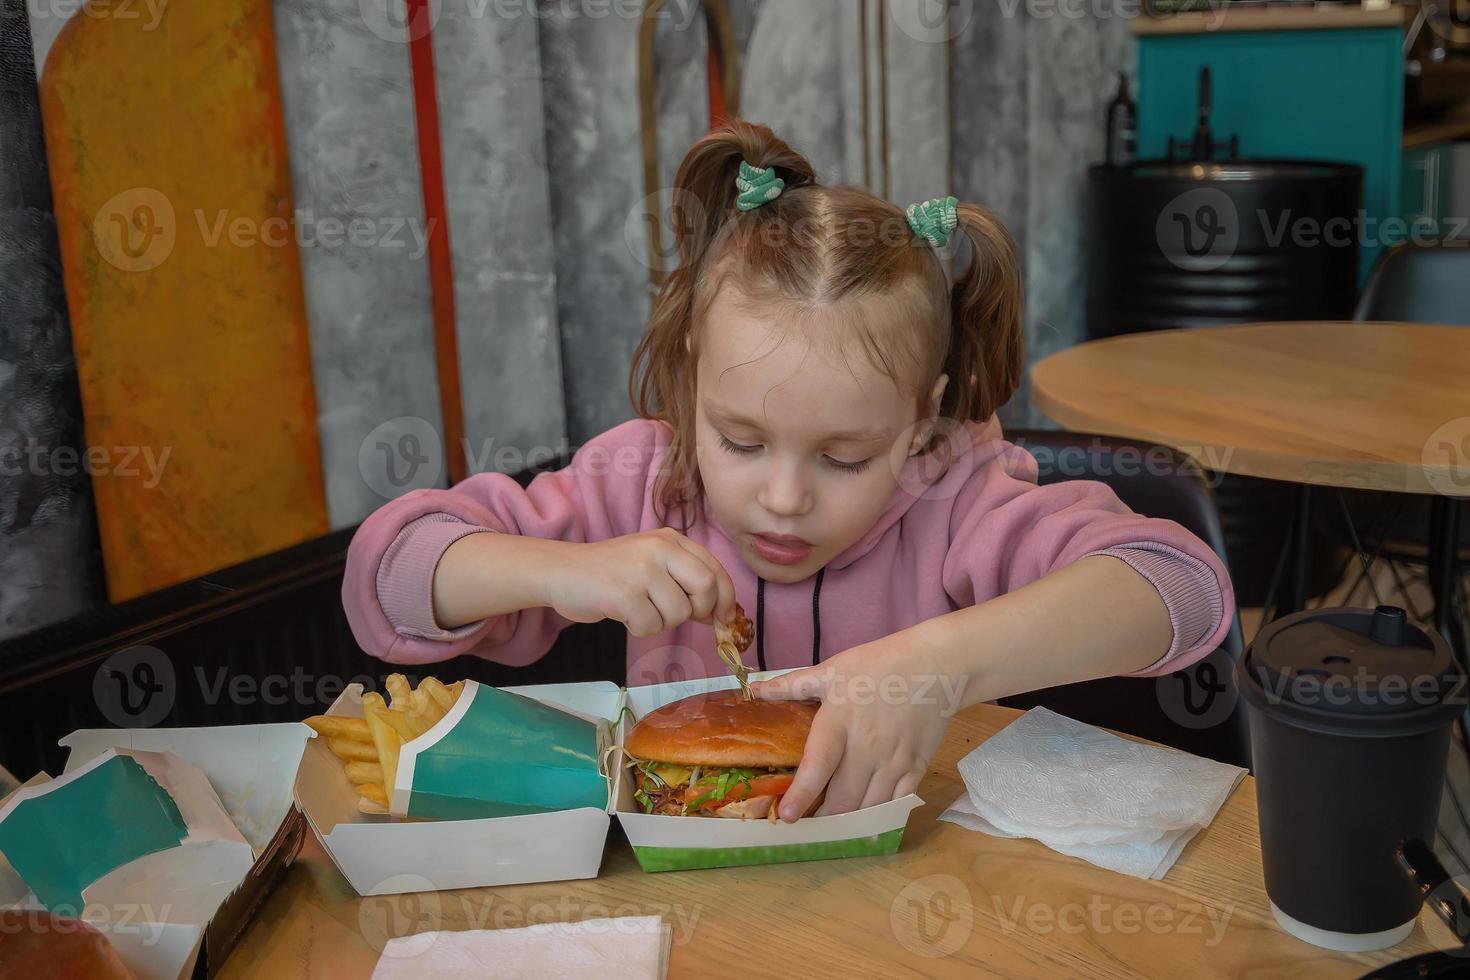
(200,825)
(668,843)
(500,791)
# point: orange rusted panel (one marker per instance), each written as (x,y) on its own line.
(173,203)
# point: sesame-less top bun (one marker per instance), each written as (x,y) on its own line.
(719,729)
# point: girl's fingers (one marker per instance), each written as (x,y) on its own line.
(671,601)
(907,783)
(822,755)
(882,788)
(724,608)
(849,783)
(642,618)
(698,583)
(806,684)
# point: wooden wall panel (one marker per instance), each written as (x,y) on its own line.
(173,206)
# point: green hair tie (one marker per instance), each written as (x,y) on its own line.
(934,220)
(757,185)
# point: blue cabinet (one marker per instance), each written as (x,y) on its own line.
(1329,94)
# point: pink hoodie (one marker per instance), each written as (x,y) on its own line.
(981,529)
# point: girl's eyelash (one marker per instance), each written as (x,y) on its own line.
(735,447)
(740,450)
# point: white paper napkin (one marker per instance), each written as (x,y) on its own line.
(1091,794)
(636,947)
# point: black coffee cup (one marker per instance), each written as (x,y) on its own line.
(1351,715)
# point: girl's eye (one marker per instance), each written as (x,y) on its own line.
(736,448)
(857,467)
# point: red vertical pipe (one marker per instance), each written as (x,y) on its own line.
(436,211)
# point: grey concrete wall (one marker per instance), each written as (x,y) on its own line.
(495,175)
(350,128)
(1029,96)
(50,568)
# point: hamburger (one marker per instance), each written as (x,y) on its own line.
(718,755)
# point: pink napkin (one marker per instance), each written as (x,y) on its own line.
(636,947)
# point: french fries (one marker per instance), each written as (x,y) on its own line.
(368,746)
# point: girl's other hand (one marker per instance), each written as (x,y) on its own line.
(884,711)
(650,582)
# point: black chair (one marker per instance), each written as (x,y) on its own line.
(1413,283)
(1196,709)
(1419,284)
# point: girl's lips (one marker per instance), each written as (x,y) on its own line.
(780,551)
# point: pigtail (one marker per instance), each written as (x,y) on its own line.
(986,333)
(703,211)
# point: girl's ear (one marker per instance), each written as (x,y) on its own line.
(925,429)
(937,394)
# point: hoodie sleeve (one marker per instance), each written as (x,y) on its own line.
(1006,532)
(387,591)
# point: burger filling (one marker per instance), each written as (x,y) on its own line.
(699,791)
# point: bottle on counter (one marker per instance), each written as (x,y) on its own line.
(1122,135)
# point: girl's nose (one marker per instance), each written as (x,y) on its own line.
(785,492)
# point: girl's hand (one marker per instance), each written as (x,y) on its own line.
(884,711)
(650,582)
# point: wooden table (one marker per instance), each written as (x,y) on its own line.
(1366,405)
(1371,406)
(950,902)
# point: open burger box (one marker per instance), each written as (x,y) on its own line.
(399,852)
(668,843)
(173,838)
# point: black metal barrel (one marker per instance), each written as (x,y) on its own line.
(1198,244)
(1178,245)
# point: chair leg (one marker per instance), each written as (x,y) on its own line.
(1403,588)
(1357,543)
(1444,543)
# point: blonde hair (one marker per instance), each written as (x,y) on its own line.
(812,249)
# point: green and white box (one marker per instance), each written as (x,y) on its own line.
(669,843)
(500,791)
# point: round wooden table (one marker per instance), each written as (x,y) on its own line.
(1378,406)
(1374,406)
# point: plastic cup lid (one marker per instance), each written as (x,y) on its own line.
(1352,665)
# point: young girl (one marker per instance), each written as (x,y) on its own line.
(816,439)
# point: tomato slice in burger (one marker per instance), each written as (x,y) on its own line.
(766,784)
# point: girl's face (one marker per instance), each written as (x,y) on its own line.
(799,447)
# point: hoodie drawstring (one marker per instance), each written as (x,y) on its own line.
(817,616)
(760,620)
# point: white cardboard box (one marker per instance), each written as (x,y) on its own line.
(669,843)
(250,768)
(383,856)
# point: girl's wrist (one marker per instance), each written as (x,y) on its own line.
(949,651)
